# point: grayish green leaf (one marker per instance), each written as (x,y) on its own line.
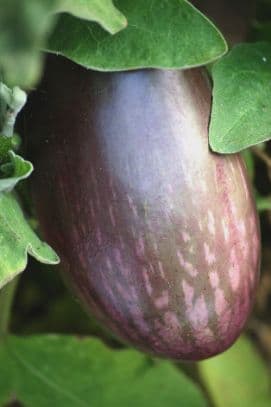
(160,34)
(241,114)
(47,371)
(17,240)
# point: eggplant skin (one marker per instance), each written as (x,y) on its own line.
(158,237)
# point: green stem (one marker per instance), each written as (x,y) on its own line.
(6,300)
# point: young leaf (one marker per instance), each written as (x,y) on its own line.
(237,378)
(241,113)
(11,103)
(160,34)
(52,370)
(17,240)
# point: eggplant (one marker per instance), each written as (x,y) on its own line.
(158,236)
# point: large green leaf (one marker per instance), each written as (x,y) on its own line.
(238,377)
(160,33)
(17,240)
(45,371)
(241,114)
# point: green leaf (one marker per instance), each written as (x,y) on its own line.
(160,34)
(26,24)
(15,170)
(6,144)
(263,202)
(241,113)
(17,240)
(47,371)
(101,11)
(237,378)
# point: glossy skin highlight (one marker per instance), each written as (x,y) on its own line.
(157,236)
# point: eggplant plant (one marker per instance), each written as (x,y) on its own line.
(131,119)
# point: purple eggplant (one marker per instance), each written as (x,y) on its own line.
(158,236)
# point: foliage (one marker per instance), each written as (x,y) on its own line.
(43,370)
(237,378)
(18,240)
(186,39)
(241,114)
(26,25)
(61,370)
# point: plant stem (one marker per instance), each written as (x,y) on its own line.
(6,300)
(262,155)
